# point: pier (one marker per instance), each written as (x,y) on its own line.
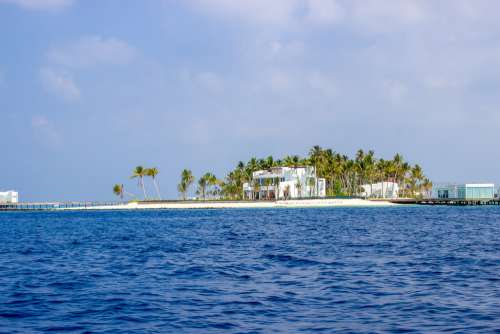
(447,201)
(52,205)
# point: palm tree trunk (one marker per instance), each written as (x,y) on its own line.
(129,194)
(144,189)
(157,189)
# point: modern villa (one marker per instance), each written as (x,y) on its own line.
(464,191)
(285,183)
(9,197)
(380,190)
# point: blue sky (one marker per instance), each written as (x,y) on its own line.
(90,89)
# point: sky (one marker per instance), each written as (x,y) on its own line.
(90,89)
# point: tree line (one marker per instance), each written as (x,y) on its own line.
(139,173)
(343,175)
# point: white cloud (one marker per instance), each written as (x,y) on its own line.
(370,14)
(385,16)
(60,83)
(87,52)
(210,81)
(321,83)
(259,11)
(324,11)
(91,51)
(280,81)
(205,80)
(394,90)
(279,49)
(40,4)
(442,82)
(45,132)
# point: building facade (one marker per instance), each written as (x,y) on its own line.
(380,190)
(464,191)
(9,197)
(285,183)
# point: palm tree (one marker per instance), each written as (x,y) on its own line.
(311,183)
(139,173)
(202,185)
(277,188)
(369,169)
(404,170)
(118,190)
(256,189)
(269,162)
(287,191)
(247,177)
(427,186)
(253,165)
(397,163)
(343,175)
(267,183)
(187,179)
(153,172)
(315,155)
(298,185)
(416,177)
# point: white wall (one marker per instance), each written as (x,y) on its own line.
(9,197)
(380,190)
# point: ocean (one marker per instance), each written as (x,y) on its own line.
(343,270)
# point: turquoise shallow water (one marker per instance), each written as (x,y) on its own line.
(403,269)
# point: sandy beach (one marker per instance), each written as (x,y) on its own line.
(350,202)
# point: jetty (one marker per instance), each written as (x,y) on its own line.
(447,201)
(53,205)
(200,204)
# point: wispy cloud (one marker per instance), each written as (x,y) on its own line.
(45,132)
(60,83)
(91,51)
(293,12)
(395,91)
(204,81)
(324,12)
(367,16)
(85,53)
(255,11)
(40,4)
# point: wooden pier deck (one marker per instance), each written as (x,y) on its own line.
(51,205)
(447,201)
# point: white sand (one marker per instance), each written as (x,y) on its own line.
(226,205)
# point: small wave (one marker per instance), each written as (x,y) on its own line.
(291,260)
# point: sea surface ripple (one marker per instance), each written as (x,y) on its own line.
(352,270)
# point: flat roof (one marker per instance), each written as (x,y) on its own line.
(467,185)
(480,185)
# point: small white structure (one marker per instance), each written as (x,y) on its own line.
(9,197)
(285,183)
(380,190)
(464,191)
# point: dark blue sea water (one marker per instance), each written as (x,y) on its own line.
(363,270)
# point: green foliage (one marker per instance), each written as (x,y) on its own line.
(118,190)
(140,172)
(344,176)
(187,179)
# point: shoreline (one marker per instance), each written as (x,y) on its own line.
(315,203)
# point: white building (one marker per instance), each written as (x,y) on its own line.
(464,191)
(9,197)
(380,190)
(285,183)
